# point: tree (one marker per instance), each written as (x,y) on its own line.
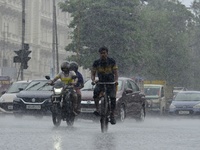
(105,22)
(149,39)
(166,24)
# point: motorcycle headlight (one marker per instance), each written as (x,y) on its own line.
(196,106)
(58,90)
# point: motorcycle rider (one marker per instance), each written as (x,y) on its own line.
(69,78)
(107,71)
(79,85)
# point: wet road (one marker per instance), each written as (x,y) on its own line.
(153,134)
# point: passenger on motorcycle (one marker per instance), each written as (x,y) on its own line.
(79,85)
(69,78)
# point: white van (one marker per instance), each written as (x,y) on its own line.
(6,100)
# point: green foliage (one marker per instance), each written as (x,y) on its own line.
(113,23)
(166,27)
(147,38)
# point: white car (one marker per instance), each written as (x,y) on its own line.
(6,100)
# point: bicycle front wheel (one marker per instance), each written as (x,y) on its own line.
(104,124)
(104,112)
(104,106)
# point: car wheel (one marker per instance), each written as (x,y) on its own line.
(122,113)
(141,115)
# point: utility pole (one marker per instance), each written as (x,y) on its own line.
(53,42)
(5,41)
(23,38)
(56,40)
(78,33)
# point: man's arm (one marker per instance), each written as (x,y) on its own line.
(74,77)
(55,79)
(116,75)
(81,81)
(115,72)
(93,74)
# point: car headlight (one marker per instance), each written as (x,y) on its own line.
(58,90)
(1,99)
(172,106)
(196,106)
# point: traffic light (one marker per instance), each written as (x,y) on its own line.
(25,66)
(22,56)
(17,59)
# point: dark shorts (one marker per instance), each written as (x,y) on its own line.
(111,90)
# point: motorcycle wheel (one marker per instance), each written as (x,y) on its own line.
(56,119)
(56,115)
(70,120)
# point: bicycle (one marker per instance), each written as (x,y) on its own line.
(105,107)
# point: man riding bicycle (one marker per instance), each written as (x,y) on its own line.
(107,71)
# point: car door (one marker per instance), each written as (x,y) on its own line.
(128,95)
(136,101)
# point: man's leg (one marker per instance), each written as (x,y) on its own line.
(112,93)
(74,97)
(112,114)
(96,100)
(78,103)
(78,100)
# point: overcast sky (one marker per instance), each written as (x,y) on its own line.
(186,2)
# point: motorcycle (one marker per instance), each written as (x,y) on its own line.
(62,104)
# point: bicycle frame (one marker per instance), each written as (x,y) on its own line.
(105,107)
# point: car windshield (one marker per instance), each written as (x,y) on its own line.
(187,97)
(89,87)
(14,88)
(38,86)
(151,90)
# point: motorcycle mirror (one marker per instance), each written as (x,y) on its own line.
(47,77)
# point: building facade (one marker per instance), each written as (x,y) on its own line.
(38,34)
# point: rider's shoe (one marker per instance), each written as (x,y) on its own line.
(96,113)
(112,120)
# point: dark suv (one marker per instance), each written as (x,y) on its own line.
(130,101)
(35,99)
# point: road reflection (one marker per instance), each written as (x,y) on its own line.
(57,142)
(104,141)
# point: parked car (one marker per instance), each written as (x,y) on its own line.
(35,99)
(185,103)
(130,101)
(6,100)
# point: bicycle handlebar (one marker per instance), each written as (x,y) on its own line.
(105,83)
